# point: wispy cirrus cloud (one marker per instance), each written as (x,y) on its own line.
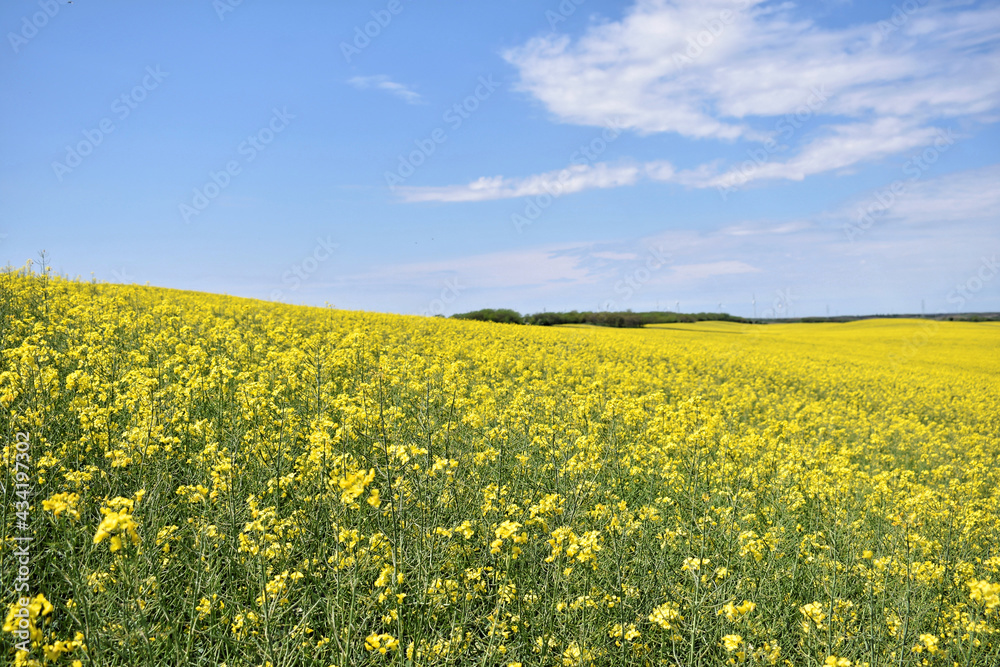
(574,178)
(968,200)
(718,72)
(838,147)
(383,82)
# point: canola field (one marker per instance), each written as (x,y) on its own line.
(193,479)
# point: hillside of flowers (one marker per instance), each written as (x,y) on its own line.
(207,480)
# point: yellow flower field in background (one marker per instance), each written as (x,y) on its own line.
(226,481)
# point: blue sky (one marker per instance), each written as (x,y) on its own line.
(418,157)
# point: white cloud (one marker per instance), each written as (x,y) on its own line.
(609,254)
(382,82)
(571,179)
(757,230)
(704,68)
(968,196)
(970,199)
(717,70)
(840,146)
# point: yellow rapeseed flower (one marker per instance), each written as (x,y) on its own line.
(666,615)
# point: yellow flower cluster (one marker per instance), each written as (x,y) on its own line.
(118,521)
(735,612)
(582,548)
(23,619)
(986,594)
(814,614)
(63,503)
(381,642)
(25,622)
(354,485)
(666,615)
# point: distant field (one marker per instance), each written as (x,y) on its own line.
(211,480)
(948,346)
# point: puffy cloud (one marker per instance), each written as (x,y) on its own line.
(716,72)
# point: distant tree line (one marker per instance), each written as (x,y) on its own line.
(629,319)
(604,319)
(504,315)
